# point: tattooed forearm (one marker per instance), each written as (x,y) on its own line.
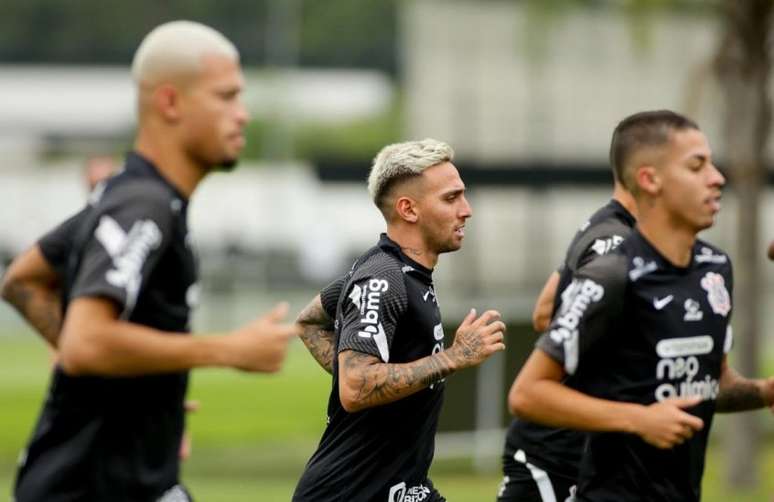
(317,333)
(366,382)
(319,342)
(741,395)
(41,307)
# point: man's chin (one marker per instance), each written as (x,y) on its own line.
(451,246)
(228,165)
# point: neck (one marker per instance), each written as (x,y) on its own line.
(624,197)
(674,242)
(412,245)
(171,162)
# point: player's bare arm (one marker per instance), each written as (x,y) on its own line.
(538,395)
(95,341)
(317,333)
(365,381)
(544,306)
(738,393)
(31,285)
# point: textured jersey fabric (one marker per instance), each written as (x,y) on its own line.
(632,327)
(386,307)
(117,439)
(555,450)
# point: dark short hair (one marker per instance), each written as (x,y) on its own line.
(644,129)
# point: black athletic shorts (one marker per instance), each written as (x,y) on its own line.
(525,482)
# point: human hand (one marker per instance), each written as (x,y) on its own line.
(477,339)
(665,424)
(261,345)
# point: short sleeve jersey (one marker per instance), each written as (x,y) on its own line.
(558,451)
(386,307)
(632,327)
(57,243)
(117,438)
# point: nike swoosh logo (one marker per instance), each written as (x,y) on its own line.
(660,304)
(424,297)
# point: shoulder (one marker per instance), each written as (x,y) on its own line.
(379,271)
(137,191)
(611,271)
(129,199)
(712,258)
(604,233)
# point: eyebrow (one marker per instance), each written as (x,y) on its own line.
(454,191)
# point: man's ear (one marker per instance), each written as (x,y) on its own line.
(648,179)
(166,100)
(406,209)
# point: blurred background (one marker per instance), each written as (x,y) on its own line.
(527,92)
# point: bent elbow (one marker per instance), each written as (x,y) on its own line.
(78,359)
(539,323)
(7,286)
(518,401)
(348,399)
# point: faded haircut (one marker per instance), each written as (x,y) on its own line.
(400,161)
(642,130)
(175,49)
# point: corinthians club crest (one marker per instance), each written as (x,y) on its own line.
(717,294)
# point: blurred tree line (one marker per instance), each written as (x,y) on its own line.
(330,33)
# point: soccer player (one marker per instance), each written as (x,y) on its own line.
(644,330)
(111,426)
(540,463)
(387,357)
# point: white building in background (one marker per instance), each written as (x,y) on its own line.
(505,82)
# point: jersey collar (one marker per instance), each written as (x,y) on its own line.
(138,165)
(661,259)
(624,213)
(392,247)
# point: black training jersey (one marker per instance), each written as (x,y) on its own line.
(632,327)
(386,307)
(558,451)
(57,244)
(117,438)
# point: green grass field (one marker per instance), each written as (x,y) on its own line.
(254,433)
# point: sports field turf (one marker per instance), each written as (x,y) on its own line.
(254,433)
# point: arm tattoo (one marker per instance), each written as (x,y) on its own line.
(41,308)
(742,395)
(375,383)
(317,334)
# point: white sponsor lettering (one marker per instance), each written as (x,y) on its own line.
(674,366)
(687,346)
(401,493)
(708,256)
(110,234)
(576,299)
(129,252)
(369,304)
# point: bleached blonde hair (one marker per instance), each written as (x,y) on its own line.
(400,161)
(175,49)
